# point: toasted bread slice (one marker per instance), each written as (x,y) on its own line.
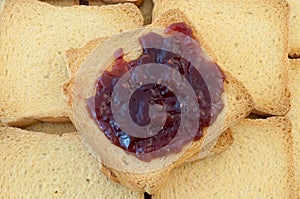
(33,39)
(294,38)
(62,2)
(148,181)
(40,165)
(294,116)
(249,40)
(257,165)
(52,127)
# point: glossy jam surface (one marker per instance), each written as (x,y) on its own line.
(184,51)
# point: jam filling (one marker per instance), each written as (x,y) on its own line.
(207,86)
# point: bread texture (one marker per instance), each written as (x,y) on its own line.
(294,116)
(37,165)
(52,127)
(62,2)
(32,53)
(257,165)
(294,38)
(249,39)
(147,181)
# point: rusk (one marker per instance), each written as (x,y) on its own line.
(294,116)
(33,39)
(249,39)
(241,102)
(257,165)
(38,165)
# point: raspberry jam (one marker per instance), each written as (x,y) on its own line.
(207,86)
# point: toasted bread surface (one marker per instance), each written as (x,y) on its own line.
(33,39)
(41,165)
(257,165)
